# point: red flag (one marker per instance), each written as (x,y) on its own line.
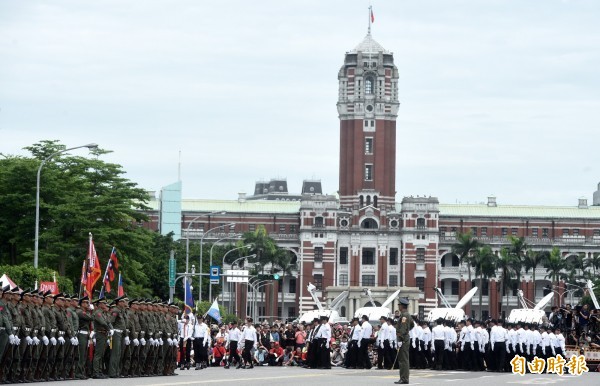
(93,272)
(372,17)
(120,291)
(84,273)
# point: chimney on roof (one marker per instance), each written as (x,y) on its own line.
(583,203)
(492,201)
(241,197)
(596,196)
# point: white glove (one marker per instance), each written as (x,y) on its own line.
(462,346)
(414,345)
(29,340)
(94,340)
(72,340)
(399,344)
(527,350)
(176,343)
(507,350)
(126,341)
(61,340)
(170,341)
(45,340)
(553,351)
(136,342)
(482,350)
(36,340)
(544,350)
(91,307)
(108,342)
(151,341)
(358,343)
(92,334)
(160,341)
(111,332)
(17,341)
(11,339)
(53,341)
(143,342)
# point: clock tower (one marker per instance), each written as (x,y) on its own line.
(368,107)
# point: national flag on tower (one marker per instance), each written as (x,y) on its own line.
(372,15)
(93,269)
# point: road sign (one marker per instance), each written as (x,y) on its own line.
(215,274)
(172,268)
(237,276)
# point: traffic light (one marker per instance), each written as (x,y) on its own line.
(276,276)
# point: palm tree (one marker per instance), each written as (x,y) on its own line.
(531,260)
(464,246)
(506,264)
(484,262)
(594,263)
(518,248)
(554,265)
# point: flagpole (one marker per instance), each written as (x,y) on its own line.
(83,271)
(106,272)
(370,13)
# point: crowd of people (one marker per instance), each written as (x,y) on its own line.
(442,345)
(315,345)
(46,337)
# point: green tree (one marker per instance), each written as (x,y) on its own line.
(533,259)
(554,264)
(506,263)
(465,245)
(483,261)
(78,196)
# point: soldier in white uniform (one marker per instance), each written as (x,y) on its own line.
(438,335)
(366,331)
(498,338)
(353,345)
(322,338)
(559,342)
(235,336)
(393,340)
(427,345)
(250,340)
(201,334)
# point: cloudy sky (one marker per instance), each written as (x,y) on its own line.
(497,97)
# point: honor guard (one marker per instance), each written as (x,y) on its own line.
(405,323)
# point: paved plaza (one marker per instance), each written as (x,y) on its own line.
(261,376)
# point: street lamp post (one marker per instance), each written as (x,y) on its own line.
(223,269)
(37,199)
(210,260)
(187,236)
(200,259)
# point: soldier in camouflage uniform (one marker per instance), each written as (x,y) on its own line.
(129,345)
(12,360)
(61,324)
(37,336)
(152,332)
(71,354)
(174,329)
(118,319)
(6,331)
(101,329)
(403,327)
(142,369)
(51,333)
(24,352)
(86,325)
(134,318)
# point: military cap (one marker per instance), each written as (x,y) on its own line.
(133,301)
(325,318)
(99,300)
(354,319)
(403,301)
(85,298)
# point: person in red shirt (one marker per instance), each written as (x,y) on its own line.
(218,353)
(276,355)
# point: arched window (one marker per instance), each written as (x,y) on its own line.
(369,223)
(420,223)
(369,85)
(368,200)
(362,201)
(375,201)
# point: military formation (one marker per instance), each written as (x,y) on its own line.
(46,337)
(481,346)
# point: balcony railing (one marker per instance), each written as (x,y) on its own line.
(561,240)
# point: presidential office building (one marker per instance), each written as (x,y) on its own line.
(362,237)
